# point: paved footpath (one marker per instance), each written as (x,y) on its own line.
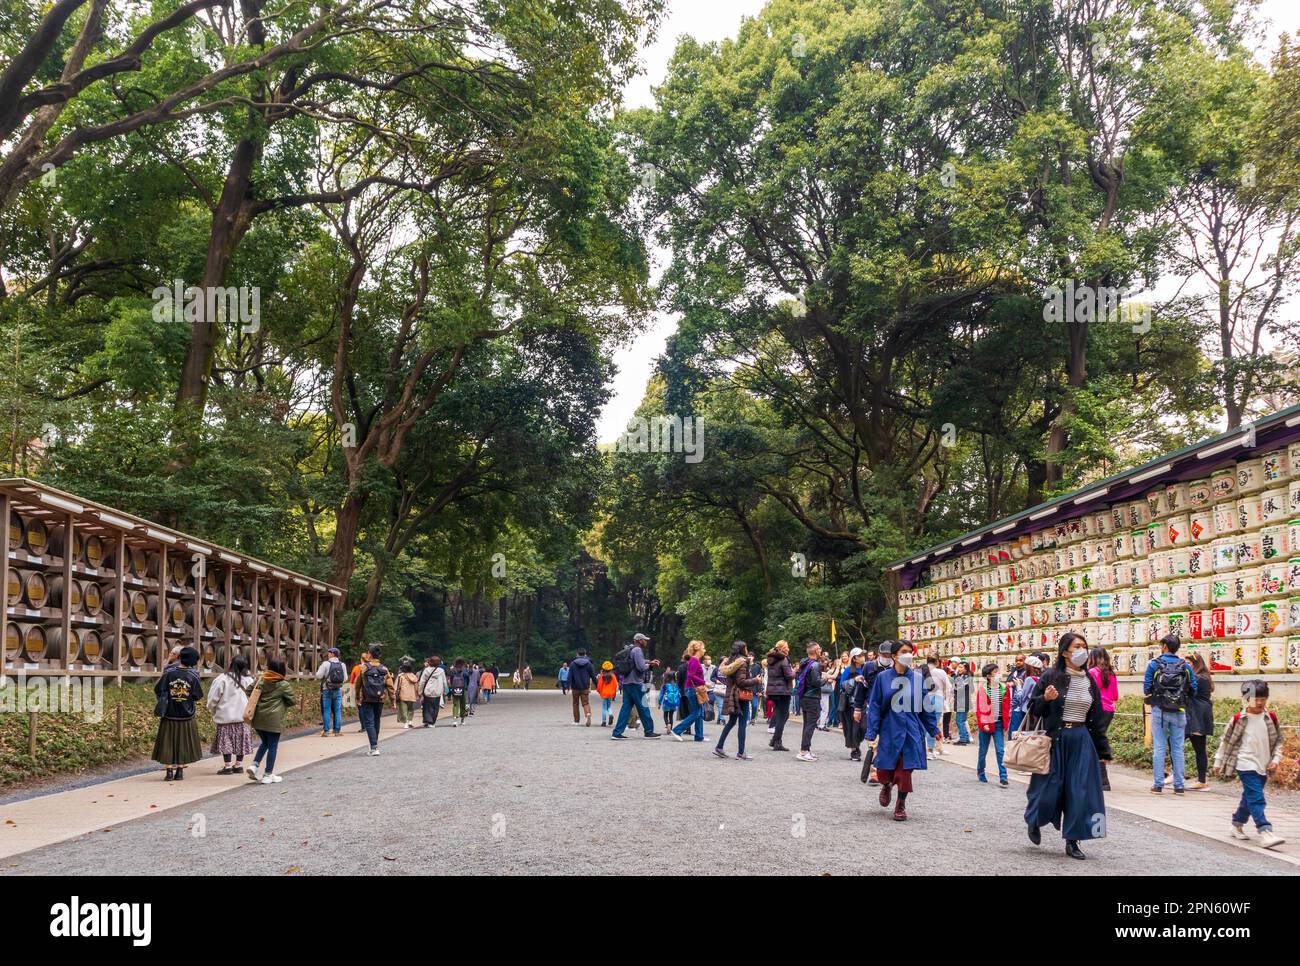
(520,789)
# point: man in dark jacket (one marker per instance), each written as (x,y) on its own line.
(582,673)
(808,686)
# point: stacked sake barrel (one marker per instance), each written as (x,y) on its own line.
(1215,560)
(26,641)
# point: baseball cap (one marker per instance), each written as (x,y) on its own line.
(640,637)
(855,652)
(1033,661)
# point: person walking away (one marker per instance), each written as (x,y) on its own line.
(695,692)
(1108,690)
(353,677)
(226,702)
(1067,704)
(275,698)
(178,689)
(1252,749)
(738,700)
(458,683)
(471,694)
(759,704)
(1168,686)
(331,674)
(562,678)
(582,674)
(899,715)
(433,690)
(408,692)
(631,665)
(717,690)
(992,712)
(374,689)
(808,695)
(1200,718)
(944,688)
(528,676)
(962,701)
(607,689)
(487,684)
(780,682)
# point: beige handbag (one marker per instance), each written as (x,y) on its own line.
(1030,751)
(251,708)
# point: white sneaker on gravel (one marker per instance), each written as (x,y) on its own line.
(270,779)
(374,752)
(804,756)
(677,736)
(1270,839)
(1240,833)
(251,773)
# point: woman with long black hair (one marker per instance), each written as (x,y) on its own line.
(1067,703)
(740,695)
(1099,670)
(1200,718)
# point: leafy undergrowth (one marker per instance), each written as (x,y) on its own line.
(70,741)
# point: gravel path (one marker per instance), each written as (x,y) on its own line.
(520,789)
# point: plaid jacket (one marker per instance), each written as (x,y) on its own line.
(1225,759)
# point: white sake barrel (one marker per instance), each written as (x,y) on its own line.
(1250,475)
(1293,496)
(1250,549)
(1245,657)
(1199,623)
(1201,525)
(1175,498)
(1273,618)
(1122,544)
(1139,514)
(1119,517)
(1248,621)
(1222,590)
(1119,630)
(1199,494)
(1274,506)
(1250,512)
(1272,655)
(1157,537)
(1246,584)
(1177,624)
(1223,484)
(1103,523)
(1178,530)
(1293,654)
(1272,579)
(1223,551)
(1155,503)
(1275,541)
(1226,519)
(1276,466)
(1160,563)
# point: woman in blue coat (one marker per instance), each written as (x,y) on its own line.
(900,713)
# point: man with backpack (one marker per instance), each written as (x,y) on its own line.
(582,674)
(633,669)
(808,696)
(332,675)
(1168,685)
(374,689)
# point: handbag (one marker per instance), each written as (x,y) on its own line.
(1030,751)
(251,708)
(702,693)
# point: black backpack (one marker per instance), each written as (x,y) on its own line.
(623,664)
(373,683)
(1169,686)
(335,676)
(681,676)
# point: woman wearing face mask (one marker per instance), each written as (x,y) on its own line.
(1068,705)
(992,710)
(899,715)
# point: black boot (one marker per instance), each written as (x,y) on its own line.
(170,776)
(1073,851)
(1035,836)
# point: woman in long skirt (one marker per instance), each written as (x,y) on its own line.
(1067,702)
(177,690)
(227,700)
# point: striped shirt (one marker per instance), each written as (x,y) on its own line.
(1078,698)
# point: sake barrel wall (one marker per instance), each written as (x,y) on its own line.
(87,589)
(1214,559)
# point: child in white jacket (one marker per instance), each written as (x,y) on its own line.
(227,699)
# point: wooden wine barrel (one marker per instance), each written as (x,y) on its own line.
(35,643)
(179,571)
(15,591)
(36,536)
(58,541)
(209,617)
(56,594)
(208,655)
(143,648)
(35,589)
(108,643)
(92,647)
(151,564)
(175,611)
(212,581)
(263,625)
(137,561)
(17,532)
(93,550)
(264,593)
(91,599)
(137,607)
(13,640)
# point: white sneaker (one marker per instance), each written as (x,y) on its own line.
(677,736)
(1239,833)
(804,756)
(1270,840)
(374,752)
(268,780)
(409,725)
(251,772)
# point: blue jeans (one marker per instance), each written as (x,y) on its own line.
(1016,718)
(716,701)
(1252,800)
(739,717)
(487,695)
(962,733)
(634,696)
(1167,726)
(694,716)
(271,741)
(833,716)
(606,710)
(370,712)
(754,706)
(998,738)
(331,709)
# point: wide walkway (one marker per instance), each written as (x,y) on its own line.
(520,789)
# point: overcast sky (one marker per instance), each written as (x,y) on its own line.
(708,20)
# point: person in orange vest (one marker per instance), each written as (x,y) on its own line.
(487,682)
(607,688)
(352,679)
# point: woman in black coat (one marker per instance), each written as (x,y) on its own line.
(1200,718)
(1067,705)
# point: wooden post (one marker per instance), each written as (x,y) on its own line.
(31,726)
(66,651)
(119,717)
(119,612)
(5,510)
(1147,741)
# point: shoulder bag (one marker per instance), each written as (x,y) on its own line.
(1030,750)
